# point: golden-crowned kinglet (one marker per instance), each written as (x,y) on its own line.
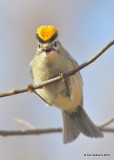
(50,60)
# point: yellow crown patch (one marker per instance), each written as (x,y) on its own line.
(46,32)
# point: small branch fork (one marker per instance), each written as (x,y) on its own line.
(31,130)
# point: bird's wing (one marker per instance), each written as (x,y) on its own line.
(74,64)
(30,69)
(67,88)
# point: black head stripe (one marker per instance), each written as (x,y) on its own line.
(50,40)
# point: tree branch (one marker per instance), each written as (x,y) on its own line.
(24,123)
(106,123)
(49,130)
(63,75)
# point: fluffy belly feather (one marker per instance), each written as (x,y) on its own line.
(55,94)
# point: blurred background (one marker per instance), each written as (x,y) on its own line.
(84,26)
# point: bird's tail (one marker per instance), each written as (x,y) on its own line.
(76,122)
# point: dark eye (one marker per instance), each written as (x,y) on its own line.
(55,44)
(39,45)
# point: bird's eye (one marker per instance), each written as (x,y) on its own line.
(55,44)
(39,45)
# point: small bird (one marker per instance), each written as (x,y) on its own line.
(50,60)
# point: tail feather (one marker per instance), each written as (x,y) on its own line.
(70,130)
(90,128)
(76,122)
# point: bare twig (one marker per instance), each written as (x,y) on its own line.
(40,131)
(106,123)
(26,89)
(24,123)
(108,130)
(49,130)
(29,132)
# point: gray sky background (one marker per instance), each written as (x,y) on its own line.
(84,26)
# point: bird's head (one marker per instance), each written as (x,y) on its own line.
(47,39)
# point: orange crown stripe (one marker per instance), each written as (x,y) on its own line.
(46,32)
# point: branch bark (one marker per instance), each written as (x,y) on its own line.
(33,131)
(63,75)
